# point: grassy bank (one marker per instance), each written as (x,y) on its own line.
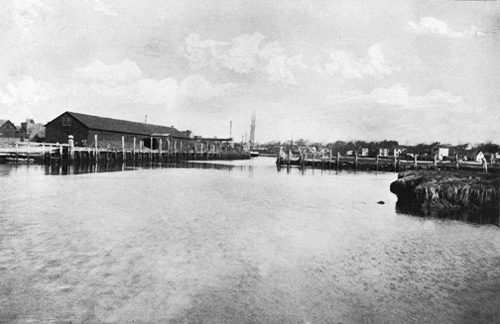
(448,190)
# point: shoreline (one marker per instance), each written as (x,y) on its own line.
(448,193)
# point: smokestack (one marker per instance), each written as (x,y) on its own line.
(146,119)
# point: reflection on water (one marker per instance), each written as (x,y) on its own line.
(234,242)
(68,169)
(483,216)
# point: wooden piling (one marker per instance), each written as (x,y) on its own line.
(161,150)
(17,153)
(330,161)
(96,150)
(338,160)
(123,149)
(355,161)
(376,161)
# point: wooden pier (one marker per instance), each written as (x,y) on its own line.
(377,163)
(48,153)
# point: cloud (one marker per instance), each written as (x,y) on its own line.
(205,53)
(400,96)
(279,66)
(104,7)
(25,13)
(351,67)
(243,56)
(25,91)
(240,55)
(431,25)
(145,91)
(195,86)
(98,71)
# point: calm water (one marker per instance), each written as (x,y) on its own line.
(237,244)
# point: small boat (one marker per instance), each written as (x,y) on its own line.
(254,154)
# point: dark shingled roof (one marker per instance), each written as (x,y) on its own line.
(121,126)
(3,121)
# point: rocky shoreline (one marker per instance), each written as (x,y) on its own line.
(445,191)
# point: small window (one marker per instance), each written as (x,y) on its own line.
(66,121)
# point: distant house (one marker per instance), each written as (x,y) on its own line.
(365,152)
(109,131)
(7,129)
(33,130)
(30,130)
(398,151)
(441,152)
(384,152)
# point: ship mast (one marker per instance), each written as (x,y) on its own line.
(252,131)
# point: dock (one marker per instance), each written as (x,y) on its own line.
(48,153)
(378,163)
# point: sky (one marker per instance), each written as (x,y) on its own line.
(412,71)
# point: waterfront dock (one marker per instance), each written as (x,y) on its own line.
(378,163)
(47,153)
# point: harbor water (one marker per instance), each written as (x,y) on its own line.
(234,242)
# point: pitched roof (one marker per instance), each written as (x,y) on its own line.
(121,126)
(3,121)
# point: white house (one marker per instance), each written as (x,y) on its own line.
(441,152)
(383,152)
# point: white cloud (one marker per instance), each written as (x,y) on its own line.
(196,86)
(122,82)
(431,25)
(242,55)
(400,96)
(104,7)
(203,53)
(26,12)
(352,67)
(25,91)
(146,91)
(98,71)
(279,66)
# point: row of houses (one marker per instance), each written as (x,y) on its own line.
(27,131)
(439,153)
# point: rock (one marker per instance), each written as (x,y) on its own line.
(380,202)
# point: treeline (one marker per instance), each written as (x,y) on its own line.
(373,148)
